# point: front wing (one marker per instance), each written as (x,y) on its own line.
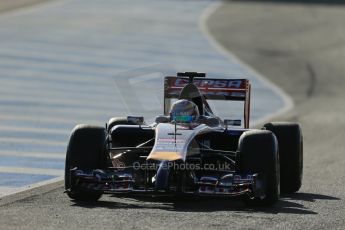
(122,181)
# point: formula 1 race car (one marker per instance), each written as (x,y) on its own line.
(188,150)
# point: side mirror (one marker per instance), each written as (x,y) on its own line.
(162,119)
(136,120)
(232,123)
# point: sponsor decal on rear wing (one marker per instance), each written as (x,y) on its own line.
(213,89)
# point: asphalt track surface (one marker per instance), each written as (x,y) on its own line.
(83,61)
(300,47)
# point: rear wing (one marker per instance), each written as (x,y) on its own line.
(211,89)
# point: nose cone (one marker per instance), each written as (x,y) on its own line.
(162,176)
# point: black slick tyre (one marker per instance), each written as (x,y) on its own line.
(290,142)
(258,153)
(85,150)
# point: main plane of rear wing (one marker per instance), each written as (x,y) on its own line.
(212,89)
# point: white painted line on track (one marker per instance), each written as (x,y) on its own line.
(36,171)
(31,141)
(6,191)
(30,8)
(27,118)
(32,154)
(33,130)
(288,102)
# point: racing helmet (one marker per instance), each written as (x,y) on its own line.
(184,111)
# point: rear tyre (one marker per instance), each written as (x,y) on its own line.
(118,121)
(85,150)
(290,141)
(258,153)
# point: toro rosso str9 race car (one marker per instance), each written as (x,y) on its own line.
(188,150)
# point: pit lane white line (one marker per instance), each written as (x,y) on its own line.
(32,154)
(38,171)
(5,190)
(34,130)
(288,102)
(32,141)
(59,63)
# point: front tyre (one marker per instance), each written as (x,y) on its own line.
(85,150)
(258,153)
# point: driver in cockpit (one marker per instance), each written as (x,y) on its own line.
(188,110)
